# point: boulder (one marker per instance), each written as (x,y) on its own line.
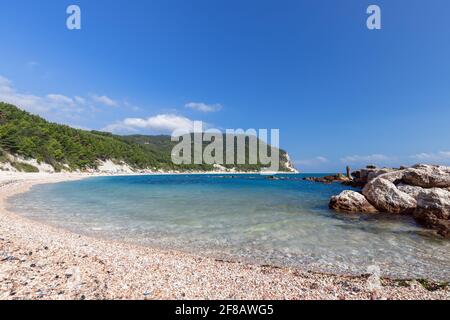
(378,172)
(433,210)
(351,201)
(413,191)
(356,174)
(363,176)
(395,176)
(422,190)
(386,197)
(427,176)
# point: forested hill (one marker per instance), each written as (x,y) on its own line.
(32,137)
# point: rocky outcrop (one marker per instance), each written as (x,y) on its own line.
(433,210)
(287,164)
(394,176)
(386,197)
(109,166)
(363,176)
(427,176)
(351,201)
(422,190)
(413,191)
(329,179)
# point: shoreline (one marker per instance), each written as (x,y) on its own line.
(38,261)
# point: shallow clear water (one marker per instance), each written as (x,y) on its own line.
(250,218)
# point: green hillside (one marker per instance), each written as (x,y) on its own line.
(31,136)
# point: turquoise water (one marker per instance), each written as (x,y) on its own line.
(246,218)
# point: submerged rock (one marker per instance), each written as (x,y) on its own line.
(351,201)
(433,210)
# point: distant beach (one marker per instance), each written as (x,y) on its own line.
(42,262)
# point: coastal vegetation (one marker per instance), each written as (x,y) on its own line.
(66,148)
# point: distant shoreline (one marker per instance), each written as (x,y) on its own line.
(60,264)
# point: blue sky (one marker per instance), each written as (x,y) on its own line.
(339,93)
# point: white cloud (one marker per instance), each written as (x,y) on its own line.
(76,126)
(105,101)
(59,98)
(67,109)
(5,86)
(52,104)
(162,123)
(5,82)
(442,157)
(366,159)
(203,107)
(311,162)
(131,106)
(80,100)
(437,156)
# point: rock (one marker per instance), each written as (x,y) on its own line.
(347,174)
(351,201)
(360,177)
(433,210)
(395,176)
(384,195)
(427,176)
(422,190)
(363,176)
(356,174)
(413,191)
(329,179)
(378,172)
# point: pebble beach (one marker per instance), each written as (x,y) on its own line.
(38,261)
